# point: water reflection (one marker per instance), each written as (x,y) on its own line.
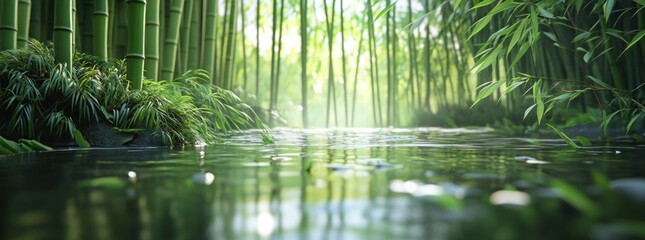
(311,184)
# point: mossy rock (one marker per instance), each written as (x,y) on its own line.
(105,135)
(147,138)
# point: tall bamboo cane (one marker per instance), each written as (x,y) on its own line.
(9,24)
(172,36)
(152,40)
(194,41)
(208,62)
(186,25)
(24,13)
(303,59)
(100,17)
(63,32)
(257,50)
(136,41)
(344,61)
(35,20)
(329,22)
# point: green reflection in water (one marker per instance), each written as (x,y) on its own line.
(327,184)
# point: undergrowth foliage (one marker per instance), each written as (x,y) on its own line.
(42,100)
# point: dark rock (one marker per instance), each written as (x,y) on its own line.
(148,138)
(105,135)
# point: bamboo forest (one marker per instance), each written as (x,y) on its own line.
(322,119)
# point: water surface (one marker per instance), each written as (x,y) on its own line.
(324,184)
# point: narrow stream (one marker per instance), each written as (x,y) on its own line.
(426,183)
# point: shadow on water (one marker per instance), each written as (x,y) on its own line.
(327,184)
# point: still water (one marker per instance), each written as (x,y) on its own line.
(330,184)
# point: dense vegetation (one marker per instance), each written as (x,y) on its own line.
(43,100)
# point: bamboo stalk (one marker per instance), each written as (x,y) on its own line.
(100,17)
(185,33)
(170,44)
(279,57)
(63,32)
(35,20)
(208,62)
(331,92)
(110,30)
(257,51)
(24,13)
(229,51)
(194,41)
(344,61)
(9,25)
(87,27)
(152,40)
(244,56)
(273,55)
(136,41)
(303,60)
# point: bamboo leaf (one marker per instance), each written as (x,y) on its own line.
(487,89)
(608,7)
(599,82)
(482,4)
(551,36)
(534,24)
(80,140)
(385,11)
(641,2)
(10,146)
(487,60)
(632,121)
(615,33)
(537,96)
(586,57)
(583,140)
(635,40)
(416,23)
(35,145)
(544,12)
(579,5)
(581,36)
(517,34)
(513,86)
(501,7)
(563,136)
(528,110)
(483,22)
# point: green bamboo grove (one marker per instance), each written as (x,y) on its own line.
(336,63)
